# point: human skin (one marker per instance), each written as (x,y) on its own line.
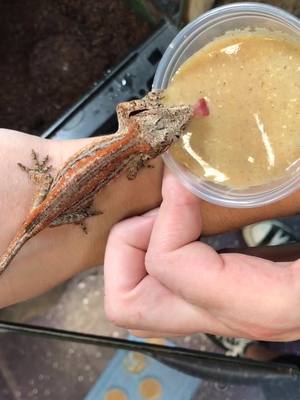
(163,281)
(56,254)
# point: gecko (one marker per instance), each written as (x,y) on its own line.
(146,129)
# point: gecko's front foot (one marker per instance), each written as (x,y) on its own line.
(154,98)
(40,175)
(39,170)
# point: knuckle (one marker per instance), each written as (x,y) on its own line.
(112,312)
(153,260)
(118,230)
(124,313)
(156,261)
(119,233)
(116,312)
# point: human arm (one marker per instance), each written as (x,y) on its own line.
(56,254)
(59,253)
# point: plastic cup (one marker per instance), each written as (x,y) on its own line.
(192,38)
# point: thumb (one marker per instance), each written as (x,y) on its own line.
(179,219)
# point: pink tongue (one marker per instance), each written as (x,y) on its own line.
(201,108)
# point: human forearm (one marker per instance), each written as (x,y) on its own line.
(56,254)
(221,219)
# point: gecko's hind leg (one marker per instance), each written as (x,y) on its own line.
(40,175)
(75,217)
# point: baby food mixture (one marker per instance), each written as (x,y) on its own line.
(251,84)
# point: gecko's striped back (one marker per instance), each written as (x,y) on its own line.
(75,185)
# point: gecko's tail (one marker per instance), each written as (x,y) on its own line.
(17,242)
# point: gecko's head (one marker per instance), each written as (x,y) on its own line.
(162,126)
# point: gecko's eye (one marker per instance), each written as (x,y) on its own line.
(178,136)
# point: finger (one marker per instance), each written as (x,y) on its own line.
(172,243)
(178,205)
(196,273)
(125,252)
(152,307)
(135,300)
(246,294)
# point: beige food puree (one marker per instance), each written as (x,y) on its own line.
(251,82)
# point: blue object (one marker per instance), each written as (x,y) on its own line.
(128,371)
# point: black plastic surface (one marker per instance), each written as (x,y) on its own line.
(94,114)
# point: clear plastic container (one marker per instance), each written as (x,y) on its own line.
(192,38)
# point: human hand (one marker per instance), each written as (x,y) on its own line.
(55,255)
(160,281)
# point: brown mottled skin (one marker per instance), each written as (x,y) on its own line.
(146,129)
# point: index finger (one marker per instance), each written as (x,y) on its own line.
(125,253)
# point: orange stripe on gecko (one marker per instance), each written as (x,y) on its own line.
(115,155)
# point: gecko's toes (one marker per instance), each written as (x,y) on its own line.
(97,212)
(34,157)
(26,169)
(154,98)
(39,171)
(83,226)
(45,160)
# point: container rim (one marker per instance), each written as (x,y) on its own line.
(205,189)
(221,12)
